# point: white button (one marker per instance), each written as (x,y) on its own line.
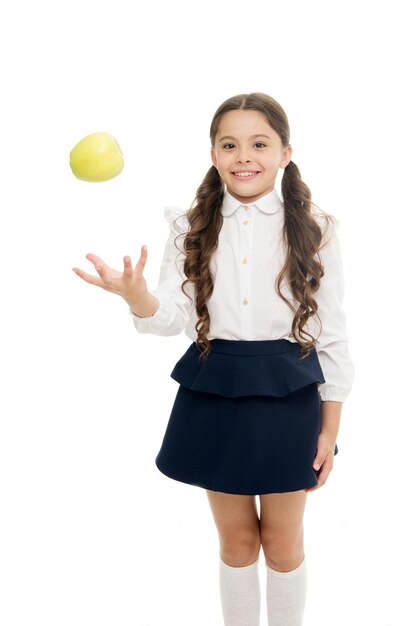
(245,260)
(245,301)
(246,208)
(246,222)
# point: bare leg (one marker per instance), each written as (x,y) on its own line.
(282,536)
(282,530)
(237,522)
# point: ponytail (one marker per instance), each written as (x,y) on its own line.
(201,241)
(303,236)
(294,191)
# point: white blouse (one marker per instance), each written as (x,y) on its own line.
(244,304)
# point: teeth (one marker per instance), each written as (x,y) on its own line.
(245,174)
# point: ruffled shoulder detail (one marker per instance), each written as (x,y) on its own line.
(177,218)
(232,376)
(329,224)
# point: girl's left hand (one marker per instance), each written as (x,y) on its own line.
(323,463)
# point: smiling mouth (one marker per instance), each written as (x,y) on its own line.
(246,174)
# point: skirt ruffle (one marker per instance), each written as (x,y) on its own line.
(275,369)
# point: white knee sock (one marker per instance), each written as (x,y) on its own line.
(286,594)
(240,594)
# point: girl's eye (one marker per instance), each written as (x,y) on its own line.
(258,145)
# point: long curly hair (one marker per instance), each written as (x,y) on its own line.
(302,233)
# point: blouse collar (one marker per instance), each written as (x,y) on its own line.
(270,203)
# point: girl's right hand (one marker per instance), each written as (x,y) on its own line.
(129,284)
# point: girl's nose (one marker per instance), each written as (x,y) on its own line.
(243,157)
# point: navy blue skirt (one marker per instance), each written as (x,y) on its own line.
(247,420)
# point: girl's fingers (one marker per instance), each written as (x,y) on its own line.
(128,270)
(326,469)
(107,276)
(322,473)
(95,259)
(101,268)
(93,280)
(312,488)
(142,259)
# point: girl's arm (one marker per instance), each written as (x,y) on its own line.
(333,354)
(333,344)
(163,311)
(170,310)
(330,419)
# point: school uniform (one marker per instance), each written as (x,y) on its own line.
(247,420)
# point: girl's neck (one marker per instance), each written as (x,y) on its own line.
(250,199)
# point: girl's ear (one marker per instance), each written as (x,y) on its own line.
(286,156)
(213,157)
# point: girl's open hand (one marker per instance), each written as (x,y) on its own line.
(129,284)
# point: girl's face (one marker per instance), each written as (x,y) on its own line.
(248,154)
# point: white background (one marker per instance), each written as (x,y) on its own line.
(90,531)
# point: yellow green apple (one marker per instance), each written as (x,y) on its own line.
(96,158)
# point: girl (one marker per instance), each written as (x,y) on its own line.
(256,281)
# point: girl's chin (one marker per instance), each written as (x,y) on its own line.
(247,196)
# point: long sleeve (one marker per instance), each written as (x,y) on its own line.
(174,306)
(332,345)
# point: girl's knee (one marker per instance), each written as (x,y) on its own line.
(283,556)
(239,551)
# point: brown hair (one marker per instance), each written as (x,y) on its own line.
(302,234)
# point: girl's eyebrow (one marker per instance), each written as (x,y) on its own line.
(234,138)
